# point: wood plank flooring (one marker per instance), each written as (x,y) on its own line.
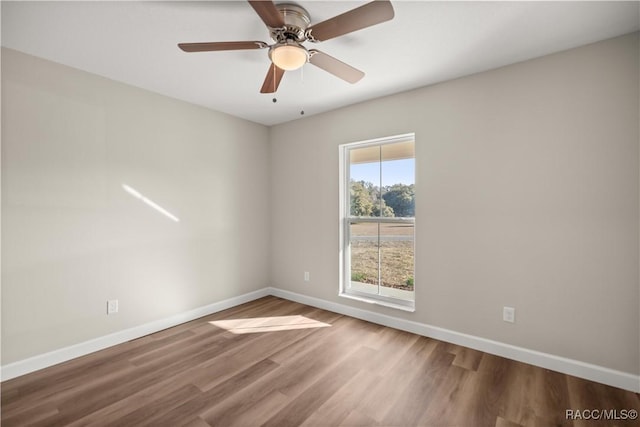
(281,364)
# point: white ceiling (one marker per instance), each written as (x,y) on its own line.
(426,43)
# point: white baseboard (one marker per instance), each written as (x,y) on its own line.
(45,360)
(564,365)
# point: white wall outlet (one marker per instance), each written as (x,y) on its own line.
(509,314)
(112,306)
(306,276)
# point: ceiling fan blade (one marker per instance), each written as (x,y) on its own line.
(334,66)
(267,11)
(214,46)
(356,19)
(272,81)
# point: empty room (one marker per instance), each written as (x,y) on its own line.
(320,213)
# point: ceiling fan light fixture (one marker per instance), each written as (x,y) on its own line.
(289,56)
(288,26)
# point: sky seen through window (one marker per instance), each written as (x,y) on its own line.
(393,172)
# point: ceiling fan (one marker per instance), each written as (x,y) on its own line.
(288,26)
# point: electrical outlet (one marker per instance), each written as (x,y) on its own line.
(509,314)
(112,306)
(306,276)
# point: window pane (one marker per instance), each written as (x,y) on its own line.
(364,257)
(364,174)
(396,260)
(398,180)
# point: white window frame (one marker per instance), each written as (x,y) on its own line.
(346,220)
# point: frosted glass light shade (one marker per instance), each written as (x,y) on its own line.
(289,57)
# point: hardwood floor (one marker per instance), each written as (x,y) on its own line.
(285,364)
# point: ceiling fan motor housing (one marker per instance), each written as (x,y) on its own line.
(296,21)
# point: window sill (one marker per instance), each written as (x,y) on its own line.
(389,304)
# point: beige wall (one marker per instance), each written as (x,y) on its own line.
(527,196)
(527,185)
(73,238)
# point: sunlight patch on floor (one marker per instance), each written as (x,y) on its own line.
(268,324)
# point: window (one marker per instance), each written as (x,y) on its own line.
(377,205)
